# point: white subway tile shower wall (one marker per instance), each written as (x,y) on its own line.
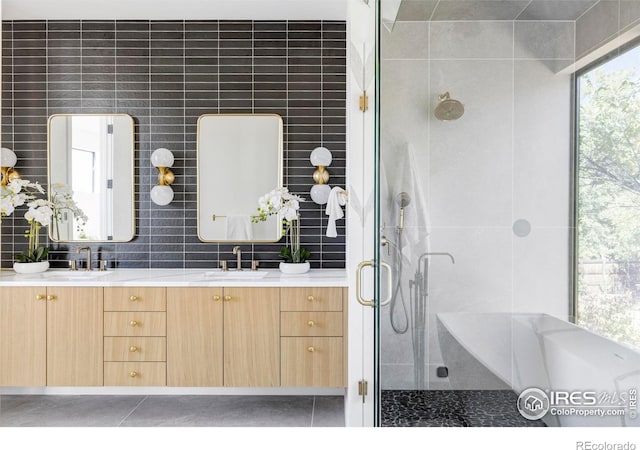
(165,75)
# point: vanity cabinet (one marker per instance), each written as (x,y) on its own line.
(157,336)
(312,337)
(223,337)
(23,336)
(194,337)
(252,337)
(135,336)
(50,336)
(74,336)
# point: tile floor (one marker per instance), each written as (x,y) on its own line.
(170,411)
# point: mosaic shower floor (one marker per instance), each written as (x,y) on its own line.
(452,409)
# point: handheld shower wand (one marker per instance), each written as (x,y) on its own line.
(403,199)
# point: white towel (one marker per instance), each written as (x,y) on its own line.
(239,228)
(337,199)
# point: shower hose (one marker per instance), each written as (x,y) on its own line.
(398,292)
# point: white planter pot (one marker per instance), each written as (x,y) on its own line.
(294,268)
(33,267)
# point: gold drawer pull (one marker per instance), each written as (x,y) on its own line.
(133,374)
(51,297)
(227,298)
(311,323)
(216,298)
(310,298)
(134,298)
(41,297)
(133,349)
(311,349)
(134,323)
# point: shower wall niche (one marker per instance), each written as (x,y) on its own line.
(477,183)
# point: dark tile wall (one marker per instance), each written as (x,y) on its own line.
(165,75)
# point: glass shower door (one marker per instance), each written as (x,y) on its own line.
(473,206)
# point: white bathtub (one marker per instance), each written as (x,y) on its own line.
(519,351)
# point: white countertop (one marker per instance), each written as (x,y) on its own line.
(177,278)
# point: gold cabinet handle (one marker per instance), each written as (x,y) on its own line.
(41,297)
(133,323)
(227,298)
(51,297)
(216,298)
(133,374)
(311,323)
(134,298)
(310,298)
(133,349)
(311,349)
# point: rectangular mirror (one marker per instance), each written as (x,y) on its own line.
(239,160)
(91,177)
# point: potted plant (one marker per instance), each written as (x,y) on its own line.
(20,192)
(286,205)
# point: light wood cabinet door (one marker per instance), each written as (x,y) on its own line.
(194,336)
(130,348)
(311,323)
(135,373)
(132,323)
(251,337)
(23,344)
(135,299)
(311,299)
(312,361)
(74,336)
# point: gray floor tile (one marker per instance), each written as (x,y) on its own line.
(224,411)
(328,412)
(65,410)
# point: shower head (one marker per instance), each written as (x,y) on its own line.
(448,108)
(403,199)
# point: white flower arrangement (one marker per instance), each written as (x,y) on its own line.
(285,204)
(17,193)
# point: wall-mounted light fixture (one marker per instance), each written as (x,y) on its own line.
(321,158)
(8,160)
(162,194)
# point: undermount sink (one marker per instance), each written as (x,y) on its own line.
(76,275)
(233,274)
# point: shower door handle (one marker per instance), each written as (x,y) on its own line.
(390,278)
(371,263)
(361,300)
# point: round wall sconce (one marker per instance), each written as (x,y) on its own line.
(8,160)
(321,158)
(162,194)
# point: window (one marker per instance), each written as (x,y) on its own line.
(608,198)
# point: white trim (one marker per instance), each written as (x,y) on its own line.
(361,24)
(164,390)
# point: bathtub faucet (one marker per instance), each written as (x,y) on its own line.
(426,255)
(422,276)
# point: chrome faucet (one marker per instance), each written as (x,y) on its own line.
(238,253)
(88,250)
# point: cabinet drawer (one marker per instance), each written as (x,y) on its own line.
(135,349)
(313,361)
(135,374)
(135,299)
(135,324)
(311,323)
(311,299)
